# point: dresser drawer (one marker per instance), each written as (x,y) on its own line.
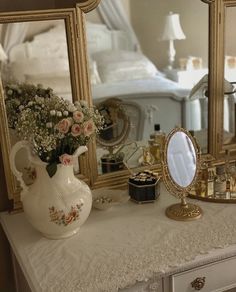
(217,276)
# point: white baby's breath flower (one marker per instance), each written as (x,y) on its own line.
(65,113)
(71,108)
(59,114)
(52,112)
(49,125)
(39,99)
(21,107)
(83,103)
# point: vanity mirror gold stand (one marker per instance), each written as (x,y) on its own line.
(180,168)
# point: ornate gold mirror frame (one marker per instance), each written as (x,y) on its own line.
(222,152)
(73,16)
(113,111)
(218,65)
(181,211)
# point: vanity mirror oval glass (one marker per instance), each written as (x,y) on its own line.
(131,63)
(181,159)
(44,47)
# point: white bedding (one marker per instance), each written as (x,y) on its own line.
(158,86)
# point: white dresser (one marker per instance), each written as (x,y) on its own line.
(186,78)
(130,248)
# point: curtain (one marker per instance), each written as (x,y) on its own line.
(115,17)
(13,34)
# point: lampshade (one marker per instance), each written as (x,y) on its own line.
(172,29)
(3,56)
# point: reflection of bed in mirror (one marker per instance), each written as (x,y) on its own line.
(118,71)
(42,58)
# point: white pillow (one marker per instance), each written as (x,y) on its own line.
(37,66)
(118,65)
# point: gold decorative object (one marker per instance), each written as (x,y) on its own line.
(183,211)
(216,183)
(117,124)
(198,283)
(180,169)
(114,133)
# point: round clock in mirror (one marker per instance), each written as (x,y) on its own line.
(181,162)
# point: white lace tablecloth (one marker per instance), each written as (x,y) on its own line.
(117,247)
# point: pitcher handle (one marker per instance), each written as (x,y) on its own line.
(79,151)
(19,145)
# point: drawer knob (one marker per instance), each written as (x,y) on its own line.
(198,283)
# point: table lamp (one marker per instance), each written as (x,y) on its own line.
(172,31)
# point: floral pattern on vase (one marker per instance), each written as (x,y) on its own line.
(61,218)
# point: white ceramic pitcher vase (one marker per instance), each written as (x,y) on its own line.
(56,206)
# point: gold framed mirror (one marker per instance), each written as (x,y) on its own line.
(216,180)
(224,130)
(222,109)
(155,109)
(48,47)
(181,162)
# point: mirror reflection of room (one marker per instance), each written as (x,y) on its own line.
(230,77)
(36,53)
(34,62)
(161,65)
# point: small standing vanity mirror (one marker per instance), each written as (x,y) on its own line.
(180,168)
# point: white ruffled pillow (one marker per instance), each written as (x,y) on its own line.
(118,65)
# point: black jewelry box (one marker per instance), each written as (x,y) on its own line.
(144,187)
(111,164)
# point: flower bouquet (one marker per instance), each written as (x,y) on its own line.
(55,127)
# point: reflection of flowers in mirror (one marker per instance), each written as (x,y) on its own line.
(54,126)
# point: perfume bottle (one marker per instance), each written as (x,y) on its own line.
(158,135)
(220,181)
(156,143)
(155,149)
(211,173)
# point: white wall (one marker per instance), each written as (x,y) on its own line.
(147,17)
(148,21)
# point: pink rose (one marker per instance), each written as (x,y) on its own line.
(89,128)
(64,125)
(76,130)
(78,116)
(66,159)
